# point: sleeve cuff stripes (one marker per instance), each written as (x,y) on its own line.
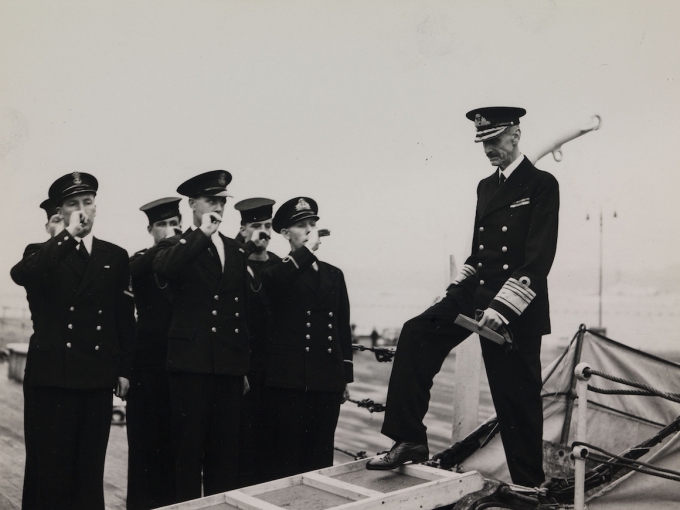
(515,296)
(466,271)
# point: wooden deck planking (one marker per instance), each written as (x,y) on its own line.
(357,429)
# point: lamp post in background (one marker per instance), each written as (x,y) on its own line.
(600,329)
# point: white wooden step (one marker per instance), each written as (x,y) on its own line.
(348,487)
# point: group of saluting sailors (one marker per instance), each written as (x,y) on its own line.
(238,362)
(233,374)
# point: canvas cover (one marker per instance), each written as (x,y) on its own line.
(614,422)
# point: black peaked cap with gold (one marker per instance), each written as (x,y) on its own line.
(294,210)
(493,120)
(208,184)
(71,184)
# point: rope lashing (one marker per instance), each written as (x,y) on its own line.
(382,354)
(369,404)
(641,393)
(673,397)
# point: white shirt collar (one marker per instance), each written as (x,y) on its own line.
(217,241)
(511,167)
(87,241)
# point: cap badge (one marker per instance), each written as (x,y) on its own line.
(302,205)
(222,180)
(76,178)
(481,121)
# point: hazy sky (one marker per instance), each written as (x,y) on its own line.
(360,105)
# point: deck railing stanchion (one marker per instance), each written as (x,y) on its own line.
(582,375)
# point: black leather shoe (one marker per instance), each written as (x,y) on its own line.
(401,453)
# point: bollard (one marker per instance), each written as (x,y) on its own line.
(580,453)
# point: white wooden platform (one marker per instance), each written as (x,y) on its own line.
(348,487)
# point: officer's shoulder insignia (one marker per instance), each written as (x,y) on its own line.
(76,178)
(302,205)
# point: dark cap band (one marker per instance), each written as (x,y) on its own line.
(161,209)
(255,209)
(49,207)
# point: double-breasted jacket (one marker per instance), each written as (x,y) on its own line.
(208,333)
(82,311)
(513,248)
(311,341)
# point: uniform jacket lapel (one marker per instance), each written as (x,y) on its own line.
(211,261)
(308,278)
(325,282)
(513,189)
(76,263)
(98,259)
(231,267)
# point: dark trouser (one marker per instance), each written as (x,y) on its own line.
(69,432)
(514,380)
(255,438)
(30,488)
(151,462)
(205,427)
(304,425)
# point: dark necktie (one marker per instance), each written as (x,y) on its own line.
(83,251)
(501,179)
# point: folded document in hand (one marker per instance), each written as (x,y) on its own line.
(486,332)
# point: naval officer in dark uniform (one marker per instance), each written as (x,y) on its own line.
(256,230)
(513,247)
(310,357)
(208,352)
(151,462)
(80,350)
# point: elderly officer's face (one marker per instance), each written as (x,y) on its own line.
(83,202)
(202,205)
(165,228)
(54,225)
(298,232)
(251,232)
(501,150)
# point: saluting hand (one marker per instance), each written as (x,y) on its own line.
(210,222)
(172,232)
(123,387)
(313,240)
(77,222)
